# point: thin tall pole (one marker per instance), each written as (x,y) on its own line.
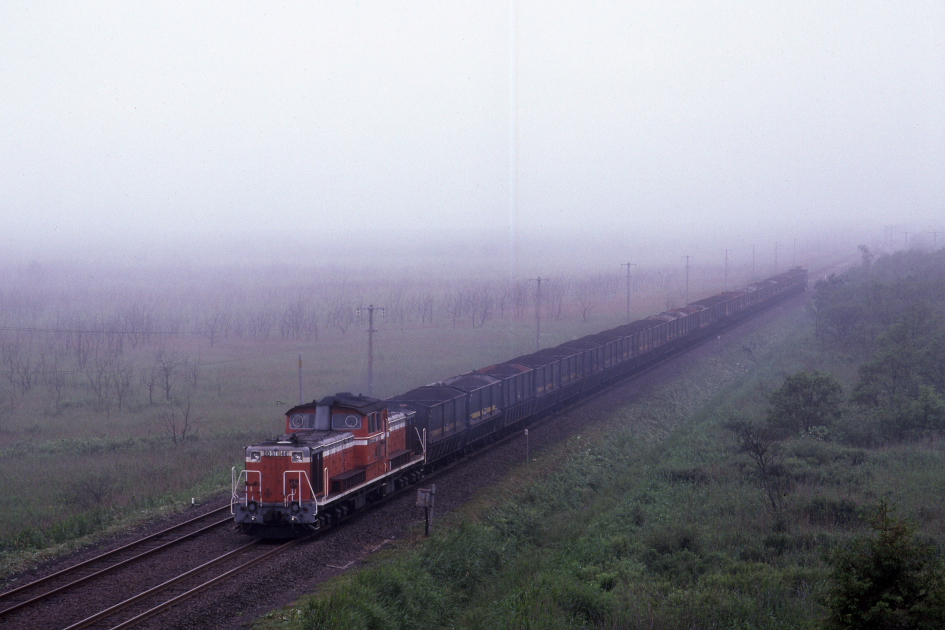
(687,277)
(371,330)
(725,283)
(628,265)
(513,139)
(537,313)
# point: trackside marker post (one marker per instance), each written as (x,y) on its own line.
(425,499)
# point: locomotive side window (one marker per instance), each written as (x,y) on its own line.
(345,421)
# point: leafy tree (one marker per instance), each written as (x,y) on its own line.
(923,415)
(887,379)
(806,400)
(887,581)
(931,361)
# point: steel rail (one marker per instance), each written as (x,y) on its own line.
(105,556)
(180,578)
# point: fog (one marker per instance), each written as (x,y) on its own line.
(510,135)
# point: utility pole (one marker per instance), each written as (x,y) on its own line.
(537,313)
(687,277)
(628,265)
(725,284)
(370,344)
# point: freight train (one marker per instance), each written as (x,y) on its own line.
(344,452)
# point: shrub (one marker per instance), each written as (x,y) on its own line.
(806,400)
(887,581)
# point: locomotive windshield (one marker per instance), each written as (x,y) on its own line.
(318,420)
(345,421)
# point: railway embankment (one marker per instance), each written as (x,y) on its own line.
(674,502)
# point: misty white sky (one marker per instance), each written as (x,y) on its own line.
(127,125)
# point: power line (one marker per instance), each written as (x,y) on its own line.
(94,332)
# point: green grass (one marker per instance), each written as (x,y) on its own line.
(72,467)
(648,519)
(73,464)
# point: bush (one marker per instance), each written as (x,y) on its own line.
(887,581)
(806,400)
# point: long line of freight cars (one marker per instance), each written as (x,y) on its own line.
(343,452)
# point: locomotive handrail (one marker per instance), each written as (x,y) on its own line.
(234,498)
(285,495)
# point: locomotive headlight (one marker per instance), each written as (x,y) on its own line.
(296,456)
(254,456)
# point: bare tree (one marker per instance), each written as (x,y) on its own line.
(167,364)
(149,378)
(138,323)
(481,302)
(426,305)
(588,292)
(98,373)
(396,304)
(260,325)
(56,378)
(179,423)
(122,377)
(762,443)
(456,304)
(520,298)
(92,489)
(554,297)
(191,368)
(214,325)
(341,314)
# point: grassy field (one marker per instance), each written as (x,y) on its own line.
(651,519)
(124,394)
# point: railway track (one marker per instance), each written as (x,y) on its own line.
(144,605)
(25,599)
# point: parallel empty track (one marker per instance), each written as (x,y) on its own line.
(24,605)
